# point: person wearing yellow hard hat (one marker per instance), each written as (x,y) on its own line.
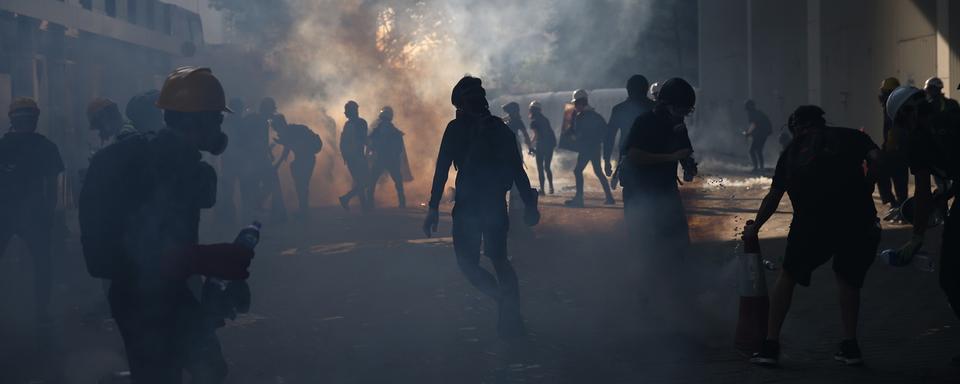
(139,226)
(30,166)
(893,175)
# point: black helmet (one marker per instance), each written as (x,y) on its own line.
(637,86)
(749,105)
(143,107)
(805,116)
(467,86)
(677,92)
(511,107)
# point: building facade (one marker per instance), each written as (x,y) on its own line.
(784,53)
(66,52)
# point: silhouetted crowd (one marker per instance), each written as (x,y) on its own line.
(144,189)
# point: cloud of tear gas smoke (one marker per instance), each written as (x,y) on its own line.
(408,54)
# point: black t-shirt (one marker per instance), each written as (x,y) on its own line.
(386,141)
(655,132)
(353,139)
(591,130)
(26,160)
(822,171)
(623,116)
(935,145)
(543,136)
(762,126)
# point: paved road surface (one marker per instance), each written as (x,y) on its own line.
(346,298)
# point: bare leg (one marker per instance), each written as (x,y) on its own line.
(780,300)
(849,308)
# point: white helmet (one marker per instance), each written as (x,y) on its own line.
(535,104)
(579,94)
(654,91)
(898,98)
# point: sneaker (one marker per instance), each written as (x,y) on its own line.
(769,355)
(609,201)
(574,203)
(543,192)
(345,202)
(849,353)
(551,190)
(893,214)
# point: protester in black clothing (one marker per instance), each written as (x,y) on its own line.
(30,166)
(657,143)
(893,176)
(544,143)
(623,116)
(139,227)
(388,153)
(353,148)
(488,163)
(757,132)
(515,123)
(933,88)
(838,222)
(932,143)
(305,145)
(591,131)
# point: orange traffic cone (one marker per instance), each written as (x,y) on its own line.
(754,302)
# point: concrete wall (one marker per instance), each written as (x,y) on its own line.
(833,53)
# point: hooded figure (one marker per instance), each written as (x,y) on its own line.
(484,152)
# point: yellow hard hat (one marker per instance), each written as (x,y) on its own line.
(23,106)
(99,105)
(889,84)
(192,89)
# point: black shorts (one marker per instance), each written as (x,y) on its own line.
(853,249)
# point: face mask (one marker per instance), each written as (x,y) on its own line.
(216,144)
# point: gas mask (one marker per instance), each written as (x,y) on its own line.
(214,140)
(215,143)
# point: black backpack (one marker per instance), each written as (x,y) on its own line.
(487,160)
(113,188)
(310,140)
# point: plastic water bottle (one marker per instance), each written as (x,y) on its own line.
(249,236)
(922,261)
(893,258)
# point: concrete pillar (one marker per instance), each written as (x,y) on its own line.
(750,49)
(944,53)
(814,72)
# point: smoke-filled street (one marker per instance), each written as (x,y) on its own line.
(352,298)
(479,192)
